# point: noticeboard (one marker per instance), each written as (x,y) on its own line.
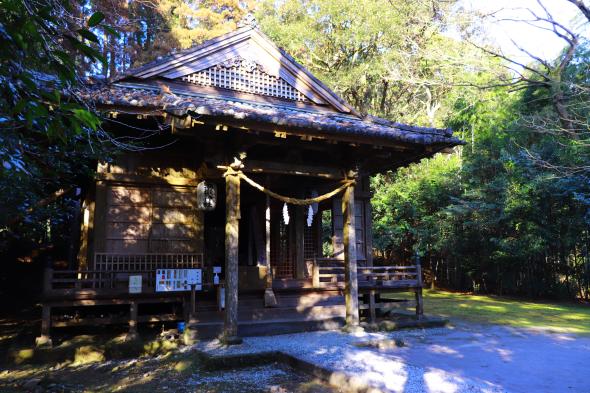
(172,280)
(135,284)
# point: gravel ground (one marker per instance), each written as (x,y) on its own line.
(360,357)
(463,358)
(179,373)
(273,378)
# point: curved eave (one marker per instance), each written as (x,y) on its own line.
(308,121)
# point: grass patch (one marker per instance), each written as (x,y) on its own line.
(557,317)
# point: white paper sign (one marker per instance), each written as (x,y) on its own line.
(194,277)
(216,272)
(134,284)
(171,280)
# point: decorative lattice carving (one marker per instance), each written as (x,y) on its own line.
(248,21)
(247,76)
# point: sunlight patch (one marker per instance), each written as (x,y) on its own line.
(443,349)
(438,381)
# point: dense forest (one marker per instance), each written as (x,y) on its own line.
(508,213)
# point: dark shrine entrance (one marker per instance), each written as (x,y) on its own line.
(282,236)
(291,241)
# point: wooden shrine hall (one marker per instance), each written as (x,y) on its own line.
(257,175)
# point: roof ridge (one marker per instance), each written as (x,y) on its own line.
(176,54)
(304,79)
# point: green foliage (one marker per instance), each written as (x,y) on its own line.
(493,219)
(47,138)
(148,30)
(392,59)
(406,204)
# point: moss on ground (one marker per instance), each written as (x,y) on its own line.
(551,316)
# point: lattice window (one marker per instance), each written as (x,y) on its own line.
(283,263)
(280,244)
(310,240)
(247,76)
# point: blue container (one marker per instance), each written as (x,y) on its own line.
(180,326)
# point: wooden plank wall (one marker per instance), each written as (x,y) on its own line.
(146,219)
(142,206)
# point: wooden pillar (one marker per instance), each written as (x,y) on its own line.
(269,276)
(315,275)
(232,228)
(369,232)
(270,300)
(44,340)
(372,311)
(190,330)
(350,263)
(99,243)
(85,253)
(47,280)
(132,335)
(46,320)
(418,290)
(193,310)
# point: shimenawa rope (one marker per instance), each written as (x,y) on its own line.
(286,199)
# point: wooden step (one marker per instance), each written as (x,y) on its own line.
(248,314)
(208,330)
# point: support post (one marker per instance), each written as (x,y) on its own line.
(315,276)
(350,262)
(193,302)
(190,330)
(132,335)
(418,291)
(44,340)
(47,280)
(270,299)
(232,227)
(372,311)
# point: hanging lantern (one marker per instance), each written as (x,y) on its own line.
(206,196)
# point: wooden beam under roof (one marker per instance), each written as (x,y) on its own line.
(316,135)
(267,167)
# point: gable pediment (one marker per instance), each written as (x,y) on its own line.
(247,76)
(244,61)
